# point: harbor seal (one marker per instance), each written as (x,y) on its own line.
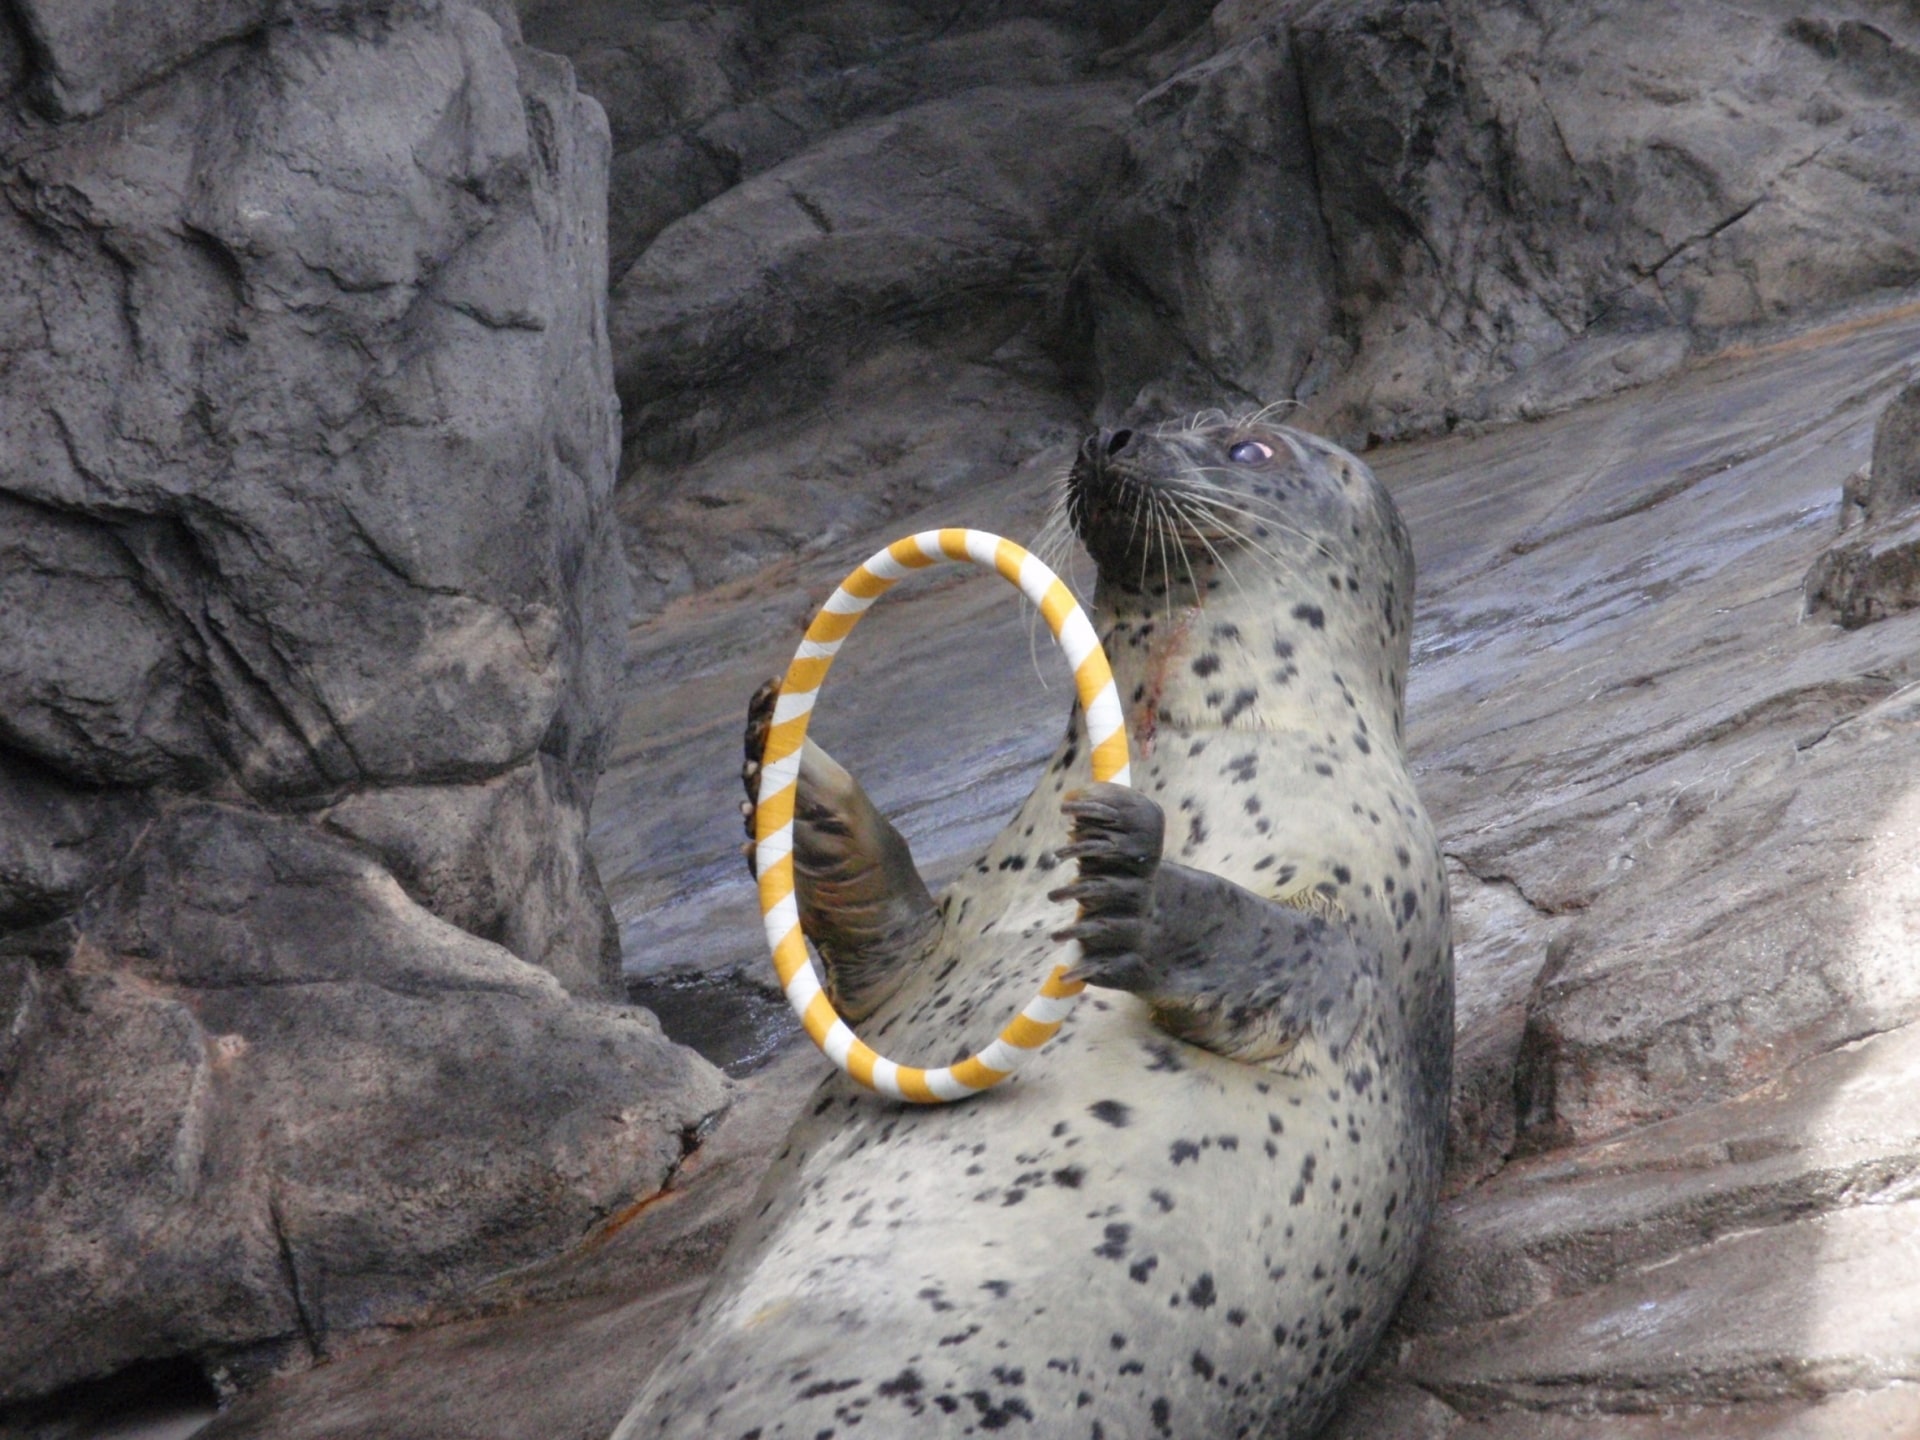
(1193,1212)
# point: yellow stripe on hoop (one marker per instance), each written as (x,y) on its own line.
(1043,1015)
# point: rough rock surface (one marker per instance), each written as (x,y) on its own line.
(1874,571)
(310,613)
(1407,217)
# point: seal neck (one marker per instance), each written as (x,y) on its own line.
(1272,662)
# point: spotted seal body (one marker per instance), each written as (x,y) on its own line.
(1193,1212)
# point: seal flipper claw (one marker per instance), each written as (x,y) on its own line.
(1221,967)
(1117,837)
(862,901)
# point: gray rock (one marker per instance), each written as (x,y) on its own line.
(1502,184)
(1377,1409)
(1829,1134)
(701,98)
(944,225)
(57,841)
(1811,1306)
(1893,484)
(311,607)
(94,51)
(268,1101)
(1875,571)
(1208,277)
(341,620)
(505,860)
(1868,577)
(557,1353)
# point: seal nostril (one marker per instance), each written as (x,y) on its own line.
(1120,440)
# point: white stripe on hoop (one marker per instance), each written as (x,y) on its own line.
(782,918)
(1049,1009)
(802,987)
(842,602)
(942,1083)
(791,704)
(1001,1056)
(838,1044)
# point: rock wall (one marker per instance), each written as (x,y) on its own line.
(311,616)
(1405,217)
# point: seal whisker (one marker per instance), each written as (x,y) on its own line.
(1179,519)
(1160,536)
(1199,534)
(1210,498)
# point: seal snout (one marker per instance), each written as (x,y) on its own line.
(1103,446)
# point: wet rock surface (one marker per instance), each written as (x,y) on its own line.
(1874,571)
(310,605)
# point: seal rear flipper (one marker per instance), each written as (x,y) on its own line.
(862,901)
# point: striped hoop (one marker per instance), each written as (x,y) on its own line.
(779,775)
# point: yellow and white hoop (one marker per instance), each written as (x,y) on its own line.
(780,770)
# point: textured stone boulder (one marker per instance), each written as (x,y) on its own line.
(1874,571)
(311,609)
(1505,209)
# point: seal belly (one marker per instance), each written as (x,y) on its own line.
(1132,1234)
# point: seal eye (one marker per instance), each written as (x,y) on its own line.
(1250,452)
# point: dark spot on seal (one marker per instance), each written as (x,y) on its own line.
(906,1383)
(1201,1292)
(1114,1247)
(827,1387)
(1069,1177)
(1205,665)
(1242,701)
(1183,1150)
(1111,1112)
(1312,614)
(1142,1268)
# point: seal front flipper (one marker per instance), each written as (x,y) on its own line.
(1220,966)
(862,901)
